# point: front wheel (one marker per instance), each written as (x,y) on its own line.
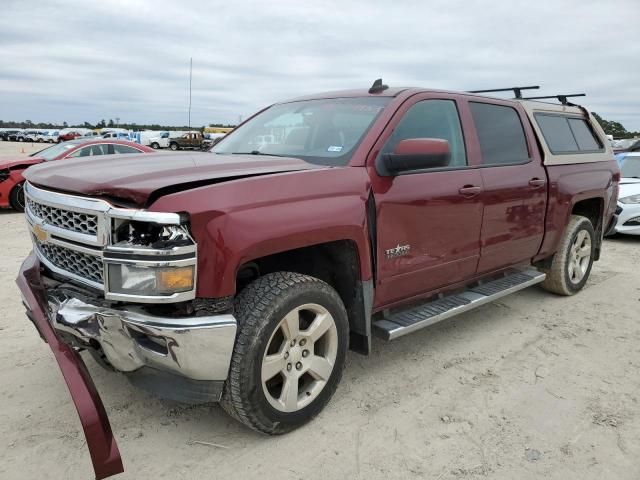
(173,146)
(289,354)
(571,265)
(16,197)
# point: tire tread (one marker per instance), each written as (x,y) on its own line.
(253,305)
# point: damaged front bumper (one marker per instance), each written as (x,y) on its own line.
(185,358)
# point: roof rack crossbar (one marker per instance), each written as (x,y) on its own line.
(517,91)
(561,98)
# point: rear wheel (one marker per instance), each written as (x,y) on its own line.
(571,265)
(16,197)
(289,354)
(155,145)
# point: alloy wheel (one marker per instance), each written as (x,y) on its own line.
(299,358)
(579,256)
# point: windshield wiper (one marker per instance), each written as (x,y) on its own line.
(257,152)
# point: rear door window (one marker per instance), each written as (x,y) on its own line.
(125,149)
(500,133)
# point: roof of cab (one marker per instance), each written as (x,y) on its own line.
(389,92)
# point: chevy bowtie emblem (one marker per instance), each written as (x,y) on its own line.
(41,234)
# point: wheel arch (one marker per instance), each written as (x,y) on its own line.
(338,263)
(592,209)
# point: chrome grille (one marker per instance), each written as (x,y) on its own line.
(72,261)
(66,219)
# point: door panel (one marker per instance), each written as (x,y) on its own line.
(428,221)
(440,225)
(514,183)
(513,219)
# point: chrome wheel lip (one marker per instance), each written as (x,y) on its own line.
(579,257)
(291,363)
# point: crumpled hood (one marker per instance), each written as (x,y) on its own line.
(18,161)
(135,178)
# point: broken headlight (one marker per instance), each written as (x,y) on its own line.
(148,261)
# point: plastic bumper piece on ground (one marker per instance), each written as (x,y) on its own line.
(103,449)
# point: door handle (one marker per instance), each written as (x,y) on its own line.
(469,191)
(537,182)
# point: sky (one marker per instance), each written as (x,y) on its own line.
(91,60)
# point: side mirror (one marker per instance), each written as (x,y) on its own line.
(415,154)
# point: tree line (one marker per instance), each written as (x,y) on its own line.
(614,128)
(104,124)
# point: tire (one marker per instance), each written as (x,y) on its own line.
(16,197)
(264,311)
(571,265)
(173,146)
(155,145)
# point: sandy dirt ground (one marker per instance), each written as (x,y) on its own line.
(531,386)
(16,149)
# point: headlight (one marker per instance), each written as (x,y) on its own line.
(150,281)
(631,199)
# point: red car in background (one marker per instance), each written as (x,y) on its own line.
(11,169)
(66,136)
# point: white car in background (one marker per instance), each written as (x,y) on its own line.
(628,211)
(47,136)
(31,135)
(118,135)
(161,141)
(51,136)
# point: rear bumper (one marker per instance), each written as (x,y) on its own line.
(184,359)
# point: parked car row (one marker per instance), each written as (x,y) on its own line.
(174,140)
(46,136)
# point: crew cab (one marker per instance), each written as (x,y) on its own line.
(186,141)
(245,274)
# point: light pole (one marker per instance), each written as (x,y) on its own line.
(190,75)
(117,122)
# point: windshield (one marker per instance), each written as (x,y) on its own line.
(630,167)
(323,132)
(52,152)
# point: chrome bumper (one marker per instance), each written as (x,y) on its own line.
(197,348)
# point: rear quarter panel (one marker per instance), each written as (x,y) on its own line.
(570,184)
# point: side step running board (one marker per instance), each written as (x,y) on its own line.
(400,323)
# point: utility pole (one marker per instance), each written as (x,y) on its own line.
(190,75)
(117,122)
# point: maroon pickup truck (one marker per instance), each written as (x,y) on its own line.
(244,275)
